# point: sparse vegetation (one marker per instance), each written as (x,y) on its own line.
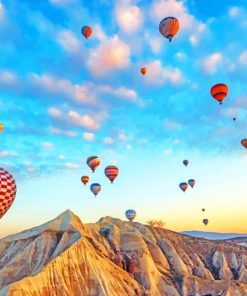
(156,223)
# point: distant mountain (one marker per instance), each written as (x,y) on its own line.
(213,235)
(117,258)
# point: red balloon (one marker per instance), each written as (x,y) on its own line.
(7,191)
(143,70)
(111,172)
(84,179)
(219,92)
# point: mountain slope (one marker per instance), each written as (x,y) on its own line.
(117,258)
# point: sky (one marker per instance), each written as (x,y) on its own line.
(64,98)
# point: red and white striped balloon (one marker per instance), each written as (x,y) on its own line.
(7,191)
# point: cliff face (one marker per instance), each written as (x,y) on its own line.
(115,258)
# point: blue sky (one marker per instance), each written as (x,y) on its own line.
(64,98)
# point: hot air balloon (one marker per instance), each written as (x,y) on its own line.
(7,191)
(192,182)
(130,215)
(84,179)
(143,70)
(219,92)
(169,27)
(1,127)
(183,186)
(185,162)
(95,188)
(244,142)
(203,210)
(93,162)
(111,172)
(86,31)
(205,221)
(234,118)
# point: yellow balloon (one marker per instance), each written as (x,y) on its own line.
(1,127)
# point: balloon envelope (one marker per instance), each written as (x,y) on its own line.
(84,179)
(111,172)
(244,142)
(219,92)
(93,162)
(183,186)
(192,182)
(130,214)
(86,31)
(169,27)
(7,191)
(203,210)
(205,221)
(185,162)
(143,70)
(1,127)
(95,188)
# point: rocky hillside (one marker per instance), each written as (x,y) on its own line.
(116,258)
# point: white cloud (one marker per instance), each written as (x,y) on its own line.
(62,157)
(53,85)
(129,147)
(211,63)
(47,146)
(83,120)
(121,92)
(155,43)
(108,56)
(180,55)
(108,141)
(129,18)
(168,151)
(30,169)
(68,40)
(71,166)
(2,12)
(160,75)
(172,125)
(99,33)
(75,119)
(243,58)
(177,142)
(8,78)
(63,2)
(54,112)
(89,136)
(234,11)
(122,137)
(6,154)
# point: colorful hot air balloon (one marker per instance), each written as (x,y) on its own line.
(205,221)
(95,188)
(93,162)
(130,215)
(86,31)
(183,186)
(185,162)
(111,172)
(203,210)
(192,182)
(84,179)
(169,27)
(219,92)
(7,191)
(143,70)
(1,127)
(244,142)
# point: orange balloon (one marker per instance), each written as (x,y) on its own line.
(244,142)
(143,70)
(84,179)
(219,92)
